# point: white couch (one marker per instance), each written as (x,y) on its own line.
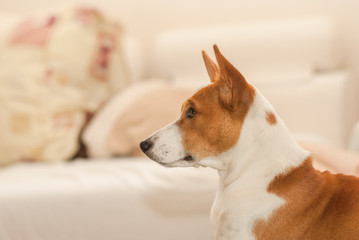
(128,199)
(134,199)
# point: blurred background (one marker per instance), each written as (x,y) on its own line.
(88,80)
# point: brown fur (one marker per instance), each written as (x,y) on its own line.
(271,119)
(221,108)
(319,206)
(214,129)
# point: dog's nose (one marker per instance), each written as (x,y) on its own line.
(145,145)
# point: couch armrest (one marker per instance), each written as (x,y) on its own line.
(353,144)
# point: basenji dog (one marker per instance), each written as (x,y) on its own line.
(268,188)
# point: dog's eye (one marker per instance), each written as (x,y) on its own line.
(190,112)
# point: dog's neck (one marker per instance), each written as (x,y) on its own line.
(263,151)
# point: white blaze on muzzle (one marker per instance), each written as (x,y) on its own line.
(165,147)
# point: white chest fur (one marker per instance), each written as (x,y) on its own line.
(238,206)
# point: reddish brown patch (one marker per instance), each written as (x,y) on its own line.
(271,119)
(319,206)
(215,128)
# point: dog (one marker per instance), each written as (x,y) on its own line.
(268,188)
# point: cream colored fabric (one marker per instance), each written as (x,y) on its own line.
(54,68)
(109,199)
(268,53)
(334,159)
(354,139)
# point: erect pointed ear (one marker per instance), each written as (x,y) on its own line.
(212,68)
(237,92)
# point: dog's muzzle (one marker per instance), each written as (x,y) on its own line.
(165,147)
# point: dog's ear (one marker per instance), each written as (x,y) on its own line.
(237,92)
(212,68)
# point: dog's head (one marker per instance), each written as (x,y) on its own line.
(210,122)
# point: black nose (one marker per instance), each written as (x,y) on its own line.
(145,145)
